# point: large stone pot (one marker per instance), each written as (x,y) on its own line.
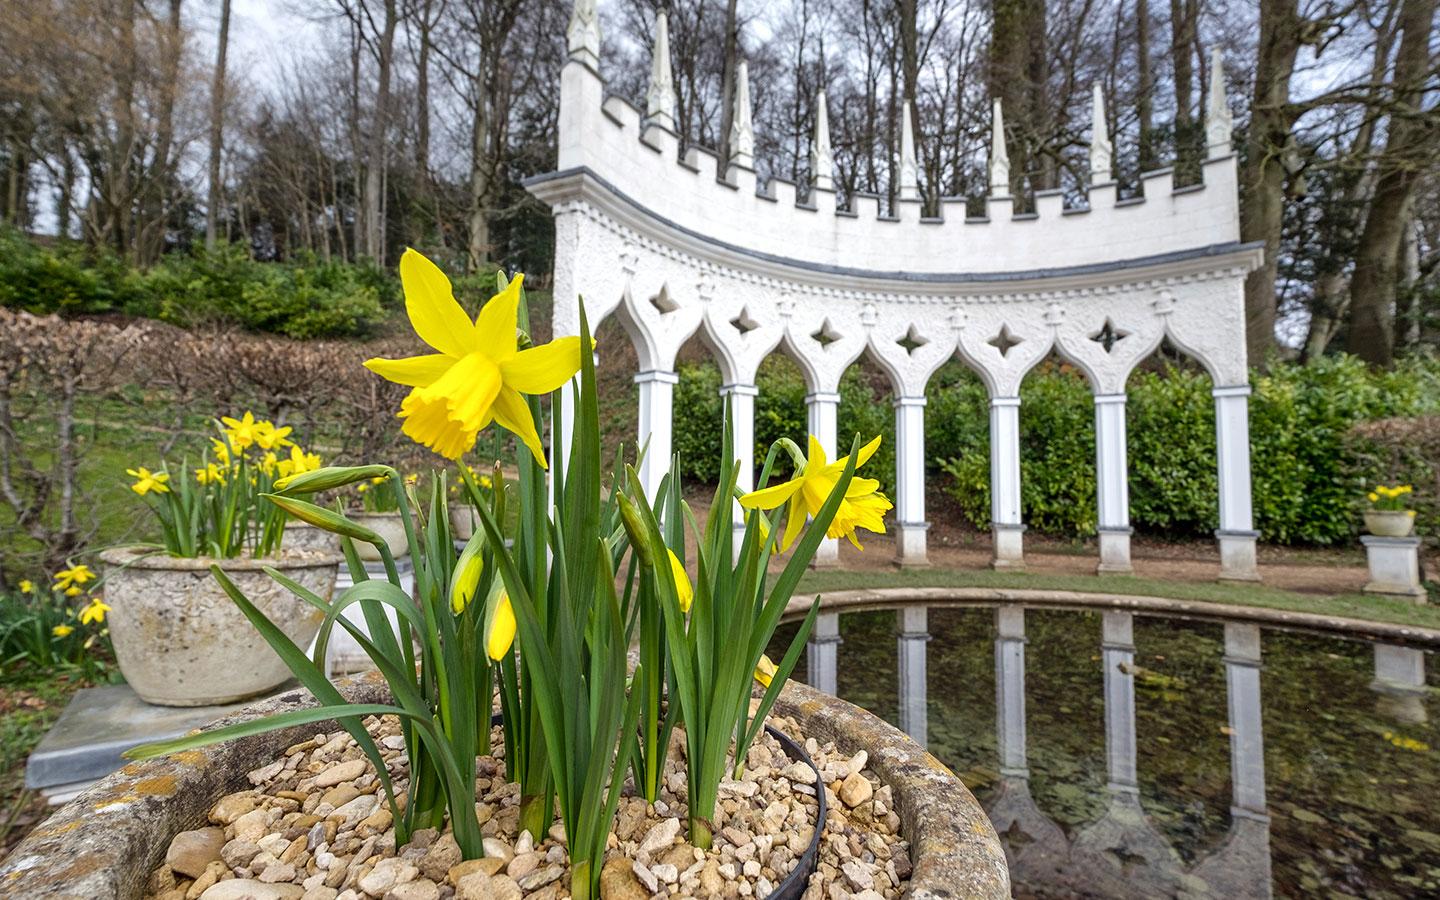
(181,641)
(304,536)
(1389,522)
(104,843)
(390,526)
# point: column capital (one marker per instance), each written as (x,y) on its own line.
(661,376)
(1232,390)
(1105,399)
(1004,401)
(900,402)
(745,390)
(822,397)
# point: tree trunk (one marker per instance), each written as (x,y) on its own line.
(1262,181)
(1408,146)
(909,48)
(727,85)
(1145,90)
(375,155)
(477,223)
(217,125)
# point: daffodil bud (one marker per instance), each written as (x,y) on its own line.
(635,528)
(500,629)
(684,592)
(321,517)
(327,478)
(765,670)
(466,577)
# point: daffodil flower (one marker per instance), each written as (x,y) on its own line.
(27,587)
(61,631)
(863,507)
(478,375)
(302,462)
(222,450)
(683,590)
(211,474)
(67,578)
(95,612)
(765,670)
(502,629)
(74,591)
(242,431)
(466,577)
(147,481)
(268,437)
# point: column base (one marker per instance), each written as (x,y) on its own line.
(910,545)
(827,555)
(1237,556)
(1394,567)
(1115,551)
(1009,546)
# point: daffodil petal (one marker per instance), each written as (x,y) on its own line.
(543,369)
(794,519)
(495,326)
(513,413)
(416,371)
(860,486)
(773,496)
(817,454)
(433,311)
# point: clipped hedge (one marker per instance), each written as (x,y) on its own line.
(1315,449)
(308,299)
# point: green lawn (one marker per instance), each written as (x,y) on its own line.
(1356,606)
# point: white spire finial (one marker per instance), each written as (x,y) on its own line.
(999,156)
(583,34)
(660,99)
(822,161)
(1101,150)
(742,129)
(1218,120)
(909,169)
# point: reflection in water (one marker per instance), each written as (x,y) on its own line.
(1118,851)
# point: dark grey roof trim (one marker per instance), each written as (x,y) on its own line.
(914,277)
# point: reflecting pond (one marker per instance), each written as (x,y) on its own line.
(1127,755)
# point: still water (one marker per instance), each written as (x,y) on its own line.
(1122,755)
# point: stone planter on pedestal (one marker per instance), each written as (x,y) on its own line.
(1395,523)
(388,525)
(104,844)
(181,641)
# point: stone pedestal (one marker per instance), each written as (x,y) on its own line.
(823,653)
(1009,546)
(344,655)
(1115,551)
(1394,566)
(1237,556)
(1399,683)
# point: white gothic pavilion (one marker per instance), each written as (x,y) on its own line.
(674,247)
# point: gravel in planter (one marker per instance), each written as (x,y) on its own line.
(315,827)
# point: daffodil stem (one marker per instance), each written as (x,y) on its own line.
(796,454)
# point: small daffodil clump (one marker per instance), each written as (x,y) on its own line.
(1390,498)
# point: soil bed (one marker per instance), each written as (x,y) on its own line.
(314,826)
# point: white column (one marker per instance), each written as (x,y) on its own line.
(1117,649)
(911,637)
(1247,738)
(657,394)
(823,411)
(823,653)
(1010,690)
(741,398)
(910,524)
(1237,532)
(1006,529)
(1112,485)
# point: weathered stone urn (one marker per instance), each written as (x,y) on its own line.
(304,536)
(1389,522)
(389,525)
(181,641)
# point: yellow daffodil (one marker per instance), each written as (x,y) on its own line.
(147,481)
(211,474)
(73,591)
(268,437)
(466,577)
(683,591)
(302,462)
(502,629)
(863,507)
(222,451)
(1374,496)
(62,630)
(67,578)
(478,375)
(27,587)
(765,670)
(361,488)
(483,481)
(243,431)
(95,612)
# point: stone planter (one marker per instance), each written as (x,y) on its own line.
(104,844)
(181,641)
(462,522)
(1389,522)
(388,525)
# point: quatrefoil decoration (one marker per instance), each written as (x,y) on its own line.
(743,323)
(912,340)
(826,335)
(1108,336)
(1005,341)
(664,302)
